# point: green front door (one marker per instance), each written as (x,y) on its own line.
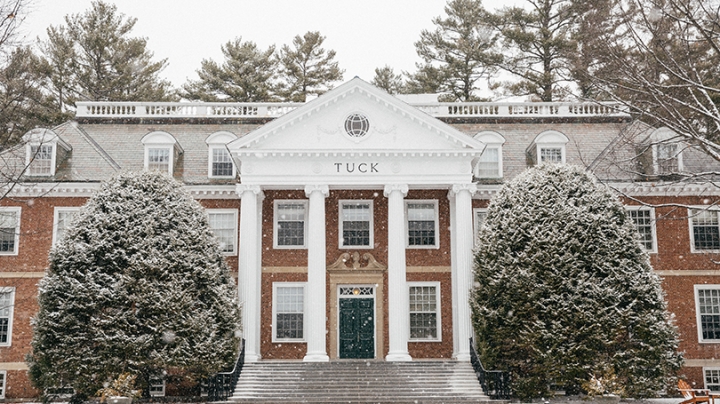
(357,328)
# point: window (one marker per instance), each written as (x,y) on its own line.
(156,385)
(3,377)
(712,379)
(551,155)
(7,302)
(160,152)
(356,224)
(667,158)
(158,159)
(63,216)
(479,216)
(644,220)
(704,232)
(290,224)
(43,149)
(422,224)
(707,304)
(548,148)
(288,311)
(41,160)
(9,230)
(223,223)
(424,311)
(220,164)
(489,164)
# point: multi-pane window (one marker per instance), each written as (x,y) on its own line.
(156,386)
(9,230)
(551,154)
(158,159)
(41,159)
(355,223)
(667,158)
(7,301)
(3,377)
(488,165)
(422,224)
(708,312)
(221,164)
(290,224)
(712,379)
(63,217)
(424,311)
(644,223)
(223,224)
(705,230)
(479,216)
(289,312)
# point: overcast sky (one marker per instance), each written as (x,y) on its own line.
(365,33)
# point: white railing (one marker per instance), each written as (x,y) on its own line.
(274,110)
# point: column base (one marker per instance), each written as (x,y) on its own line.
(462,357)
(316,358)
(398,357)
(252,357)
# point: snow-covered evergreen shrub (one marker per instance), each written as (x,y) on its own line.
(137,285)
(564,292)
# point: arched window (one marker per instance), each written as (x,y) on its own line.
(548,148)
(490,163)
(220,164)
(161,151)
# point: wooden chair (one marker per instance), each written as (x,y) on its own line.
(695,395)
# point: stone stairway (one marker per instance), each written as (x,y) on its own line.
(417,382)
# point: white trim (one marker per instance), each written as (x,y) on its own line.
(678,155)
(476,225)
(159,140)
(690,217)
(17,210)
(56,219)
(705,378)
(437,224)
(276,286)
(11,311)
(696,289)
(3,385)
(438,311)
(234,213)
(653,229)
(371,220)
(211,149)
(30,158)
(550,139)
(277,202)
(171,156)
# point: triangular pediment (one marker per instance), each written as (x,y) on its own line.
(354,117)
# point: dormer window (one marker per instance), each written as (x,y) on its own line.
(490,163)
(41,152)
(220,164)
(161,152)
(666,151)
(548,148)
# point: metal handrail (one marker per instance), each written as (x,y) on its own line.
(495,383)
(222,385)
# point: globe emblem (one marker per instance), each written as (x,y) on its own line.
(357,125)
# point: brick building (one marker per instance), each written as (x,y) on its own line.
(349,220)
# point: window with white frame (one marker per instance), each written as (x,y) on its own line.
(707,308)
(424,311)
(288,311)
(549,148)
(9,230)
(667,149)
(221,165)
(712,379)
(643,218)
(549,154)
(422,224)
(704,230)
(7,302)
(63,217)
(223,223)
(160,148)
(356,224)
(290,223)
(156,386)
(158,159)
(3,379)
(41,161)
(479,215)
(490,163)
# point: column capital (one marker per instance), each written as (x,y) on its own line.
(457,188)
(240,189)
(323,189)
(390,188)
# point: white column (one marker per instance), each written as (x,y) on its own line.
(453,261)
(462,268)
(316,305)
(398,301)
(249,270)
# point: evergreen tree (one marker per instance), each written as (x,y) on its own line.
(94,59)
(565,293)
(307,68)
(461,46)
(388,80)
(247,75)
(137,285)
(428,79)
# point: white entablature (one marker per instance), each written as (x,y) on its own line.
(359,136)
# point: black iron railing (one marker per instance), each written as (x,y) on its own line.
(221,386)
(496,383)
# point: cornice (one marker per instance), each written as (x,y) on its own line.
(352,153)
(86,189)
(662,189)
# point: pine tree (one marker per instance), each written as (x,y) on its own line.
(564,291)
(388,80)
(137,285)
(307,68)
(461,46)
(248,74)
(94,59)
